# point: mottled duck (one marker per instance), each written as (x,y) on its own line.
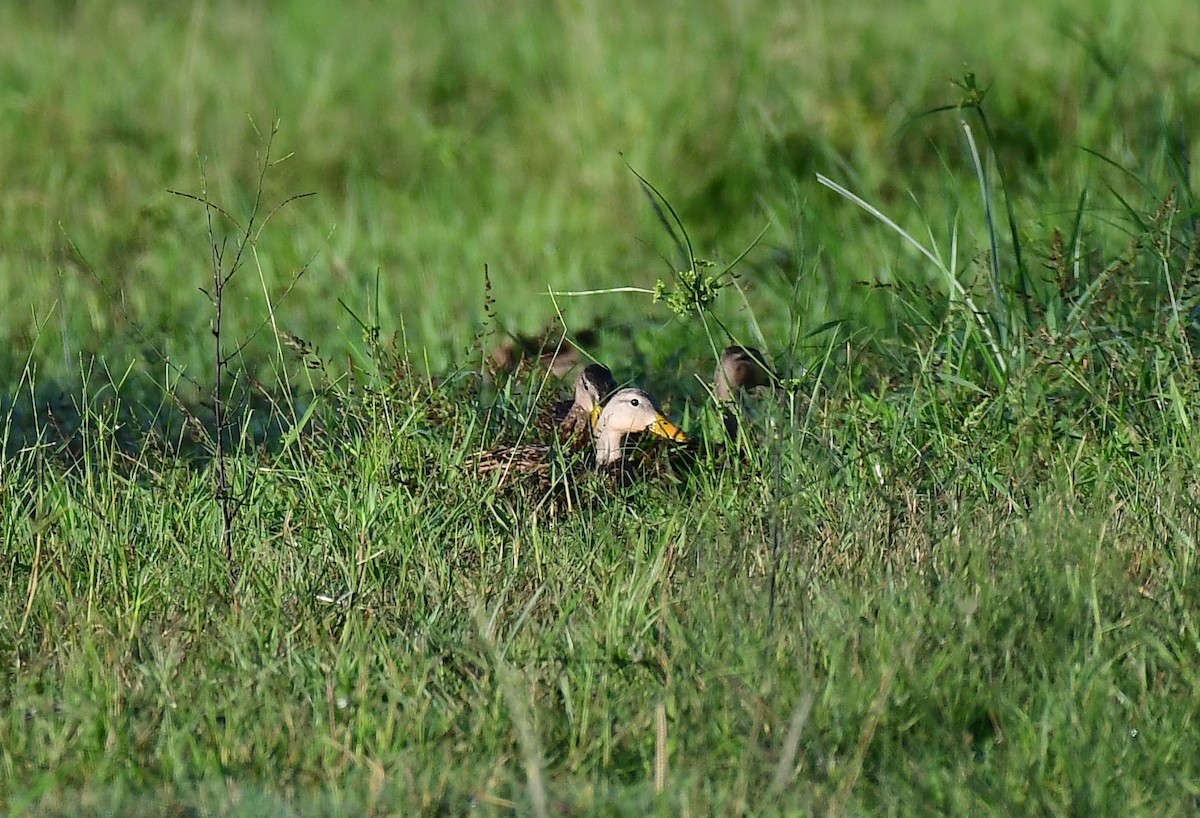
(628,411)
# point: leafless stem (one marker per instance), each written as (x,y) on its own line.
(219,279)
(222,274)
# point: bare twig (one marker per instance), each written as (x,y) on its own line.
(223,271)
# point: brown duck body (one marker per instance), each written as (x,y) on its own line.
(550,350)
(740,369)
(567,424)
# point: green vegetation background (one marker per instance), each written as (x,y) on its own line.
(959,581)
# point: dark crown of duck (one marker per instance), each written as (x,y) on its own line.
(594,384)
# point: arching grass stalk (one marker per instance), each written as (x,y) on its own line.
(695,291)
(994,354)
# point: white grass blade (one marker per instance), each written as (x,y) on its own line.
(574,293)
(953,281)
(879,214)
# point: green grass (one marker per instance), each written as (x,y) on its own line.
(954,575)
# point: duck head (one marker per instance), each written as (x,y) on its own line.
(627,411)
(739,368)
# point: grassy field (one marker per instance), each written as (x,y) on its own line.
(953,572)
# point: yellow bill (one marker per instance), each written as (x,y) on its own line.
(665,428)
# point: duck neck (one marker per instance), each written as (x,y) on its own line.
(729,418)
(608,445)
(722,385)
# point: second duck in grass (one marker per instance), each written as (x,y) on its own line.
(573,420)
(740,370)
